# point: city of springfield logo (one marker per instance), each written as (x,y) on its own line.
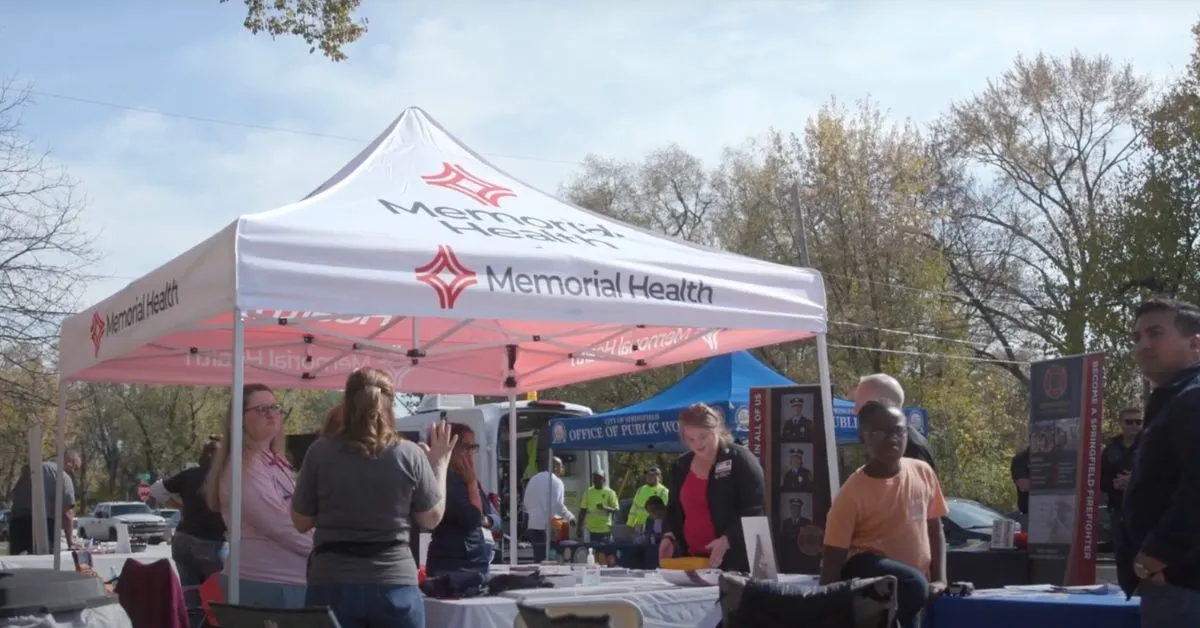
(449,278)
(148,304)
(488,218)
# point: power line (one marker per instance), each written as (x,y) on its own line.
(931,355)
(259,127)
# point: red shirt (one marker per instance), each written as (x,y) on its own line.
(698,530)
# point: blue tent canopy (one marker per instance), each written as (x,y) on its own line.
(723,382)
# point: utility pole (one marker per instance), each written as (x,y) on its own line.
(801,234)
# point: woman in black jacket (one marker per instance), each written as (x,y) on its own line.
(712,487)
(462,541)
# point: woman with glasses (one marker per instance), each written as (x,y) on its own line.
(359,490)
(463,541)
(273,553)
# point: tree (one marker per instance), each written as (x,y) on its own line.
(44,251)
(327,25)
(1023,240)
(669,192)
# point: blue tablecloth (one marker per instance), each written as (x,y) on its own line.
(996,609)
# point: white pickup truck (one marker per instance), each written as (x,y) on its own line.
(144,524)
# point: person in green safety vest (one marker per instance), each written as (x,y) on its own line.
(531,458)
(652,488)
(596,510)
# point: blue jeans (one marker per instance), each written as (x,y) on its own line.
(1166,606)
(912,588)
(371,605)
(265,594)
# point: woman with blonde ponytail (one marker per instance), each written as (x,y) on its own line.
(359,489)
(273,553)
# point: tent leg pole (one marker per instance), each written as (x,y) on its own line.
(236,448)
(549,497)
(827,407)
(60,458)
(512,477)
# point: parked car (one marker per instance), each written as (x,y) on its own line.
(171,516)
(969,520)
(143,524)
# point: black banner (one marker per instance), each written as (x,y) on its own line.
(787,433)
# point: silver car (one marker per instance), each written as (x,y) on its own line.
(172,516)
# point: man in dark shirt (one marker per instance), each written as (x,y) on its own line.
(1019,470)
(886,389)
(1116,463)
(1158,554)
(20,532)
(200,537)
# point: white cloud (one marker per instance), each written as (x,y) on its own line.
(556,81)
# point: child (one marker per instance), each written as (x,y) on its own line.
(886,518)
(654,525)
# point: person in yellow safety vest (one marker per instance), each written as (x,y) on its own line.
(652,488)
(596,510)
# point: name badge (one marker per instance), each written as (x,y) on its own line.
(723,468)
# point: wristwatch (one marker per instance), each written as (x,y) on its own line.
(1142,573)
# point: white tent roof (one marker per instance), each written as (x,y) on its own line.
(422,258)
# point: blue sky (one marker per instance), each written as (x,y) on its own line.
(536,85)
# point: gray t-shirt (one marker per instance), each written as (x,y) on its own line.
(357,499)
(22,498)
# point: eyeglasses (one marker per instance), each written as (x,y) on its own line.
(471,447)
(267,409)
(899,430)
(1132,422)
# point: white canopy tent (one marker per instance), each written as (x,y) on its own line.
(423,259)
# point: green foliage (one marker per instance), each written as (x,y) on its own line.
(327,25)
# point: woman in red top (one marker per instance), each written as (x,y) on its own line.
(718,482)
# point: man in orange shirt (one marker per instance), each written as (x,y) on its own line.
(887,518)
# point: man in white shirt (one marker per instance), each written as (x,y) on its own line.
(544,498)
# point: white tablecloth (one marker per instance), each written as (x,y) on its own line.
(663,605)
(106,565)
(676,607)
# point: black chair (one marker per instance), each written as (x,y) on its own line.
(238,616)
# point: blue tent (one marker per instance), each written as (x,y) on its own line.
(723,382)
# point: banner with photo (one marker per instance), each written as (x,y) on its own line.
(1066,411)
(787,432)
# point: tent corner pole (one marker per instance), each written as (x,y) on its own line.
(236,447)
(827,408)
(549,496)
(60,458)
(513,512)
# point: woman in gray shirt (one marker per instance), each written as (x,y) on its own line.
(360,489)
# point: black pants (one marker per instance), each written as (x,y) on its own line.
(912,590)
(20,535)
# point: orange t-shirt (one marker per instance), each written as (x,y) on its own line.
(888,517)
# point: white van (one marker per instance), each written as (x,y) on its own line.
(490,424)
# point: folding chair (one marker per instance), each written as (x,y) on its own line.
(238,616)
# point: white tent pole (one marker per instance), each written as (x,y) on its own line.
(512,477)
(236,455)
(827,405)
(37,489)
(60,440)
(549,497)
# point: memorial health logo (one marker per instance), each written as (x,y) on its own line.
(453,177)
(447,276)
(97,332)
